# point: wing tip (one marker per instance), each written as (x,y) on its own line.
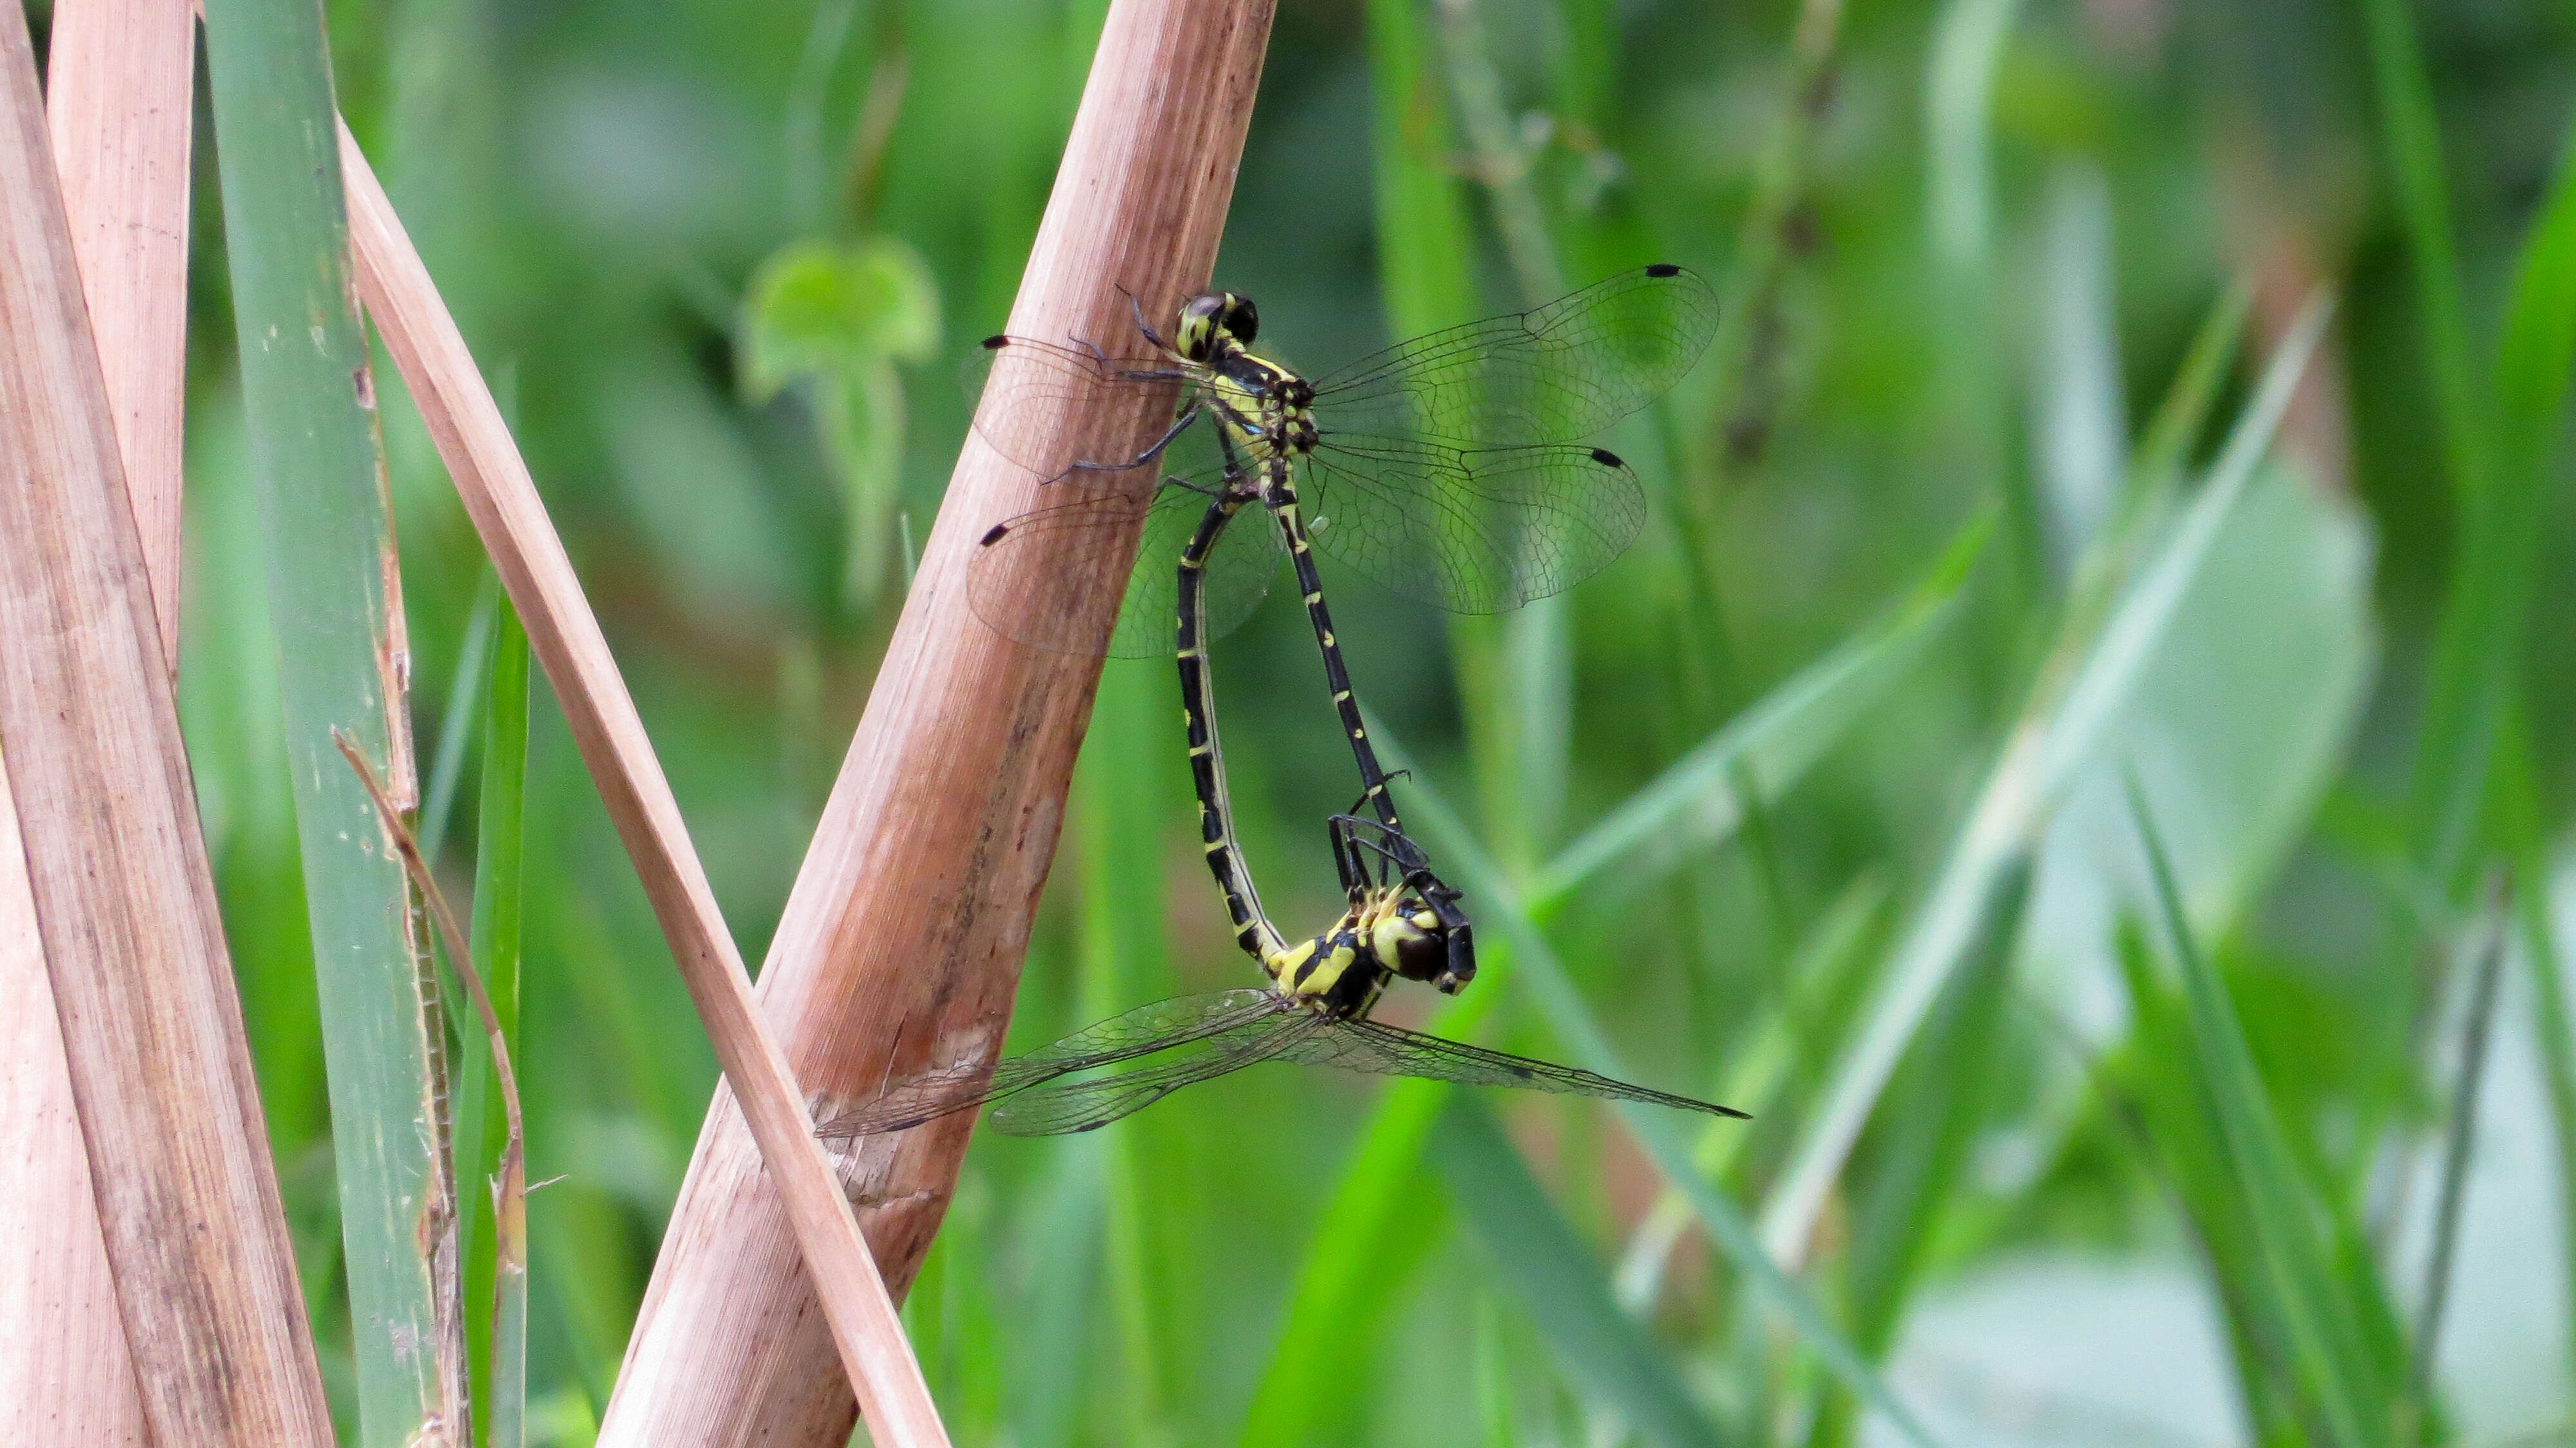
(1663,269)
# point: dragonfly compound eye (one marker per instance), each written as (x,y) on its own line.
(1411,951)
(1241,320)
(1201,316)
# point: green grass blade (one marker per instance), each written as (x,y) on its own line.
(1700,799)
(1536,1256)
(1421,216)
(496,1261)
(2186,407)
(1967,44)
(2556,1027)
(1118,820)
(1942,1100)
(2457,1151)
(2477,652)
(2297,1272)
(456,720)
(1362,1239)
(2112,664)
(329,545)
(1761,1072)
(1054,1327)
(1368,1240)
(2415,157)
(2050,744)
(1967,47)
(2081,421)
(1666,1139)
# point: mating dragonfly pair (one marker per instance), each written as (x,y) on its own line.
(1448,468)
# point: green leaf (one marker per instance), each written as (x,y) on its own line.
(2298,1274)
(823,310)
(1117,818)
(496,1263)
(1533,1254)
(334,598)
(1364,1235)
(1665,1139)
(2056,738)
(2477,664)
(837,318)
(1700,799)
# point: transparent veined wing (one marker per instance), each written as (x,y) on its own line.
(1554,373)
(1140,1032)
(1082,1105)
(1472,530)
(1079,415)
(1374,1046)
(1034,578)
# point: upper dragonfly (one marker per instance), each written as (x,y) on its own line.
(1446,468)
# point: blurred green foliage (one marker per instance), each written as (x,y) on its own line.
(2114,1164)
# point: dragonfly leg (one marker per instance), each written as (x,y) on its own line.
(1350,858)
(1189,414)
(1142,325)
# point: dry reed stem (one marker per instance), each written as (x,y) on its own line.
(66,1377)
(900,947)
(151,1028)
(117,97)
(564,636)
(118,92)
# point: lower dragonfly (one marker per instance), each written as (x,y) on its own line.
(1315,1010)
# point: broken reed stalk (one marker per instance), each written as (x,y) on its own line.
(501,498)
(900,947)
(186,1195)
(118,103)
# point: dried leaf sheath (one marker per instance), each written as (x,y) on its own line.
(493,482)
(901,943)
(124,898)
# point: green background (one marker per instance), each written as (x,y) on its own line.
(1956,437)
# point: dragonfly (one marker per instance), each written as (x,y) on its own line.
(1315,1010)
(1448,468)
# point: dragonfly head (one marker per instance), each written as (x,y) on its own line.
(1209,315)
(1419,939)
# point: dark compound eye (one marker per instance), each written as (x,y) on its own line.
(1242,318)
(1421,957)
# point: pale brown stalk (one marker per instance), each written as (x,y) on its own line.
(564,636)
(66,1378)
(900,947)
(118,93)
(118,102)
(151,1029)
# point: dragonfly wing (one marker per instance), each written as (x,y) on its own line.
(1036,577)
(1472,530)
(1140,1032)
(1551,374)
(1374,1046)
(1051,405)
(1083,1105)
